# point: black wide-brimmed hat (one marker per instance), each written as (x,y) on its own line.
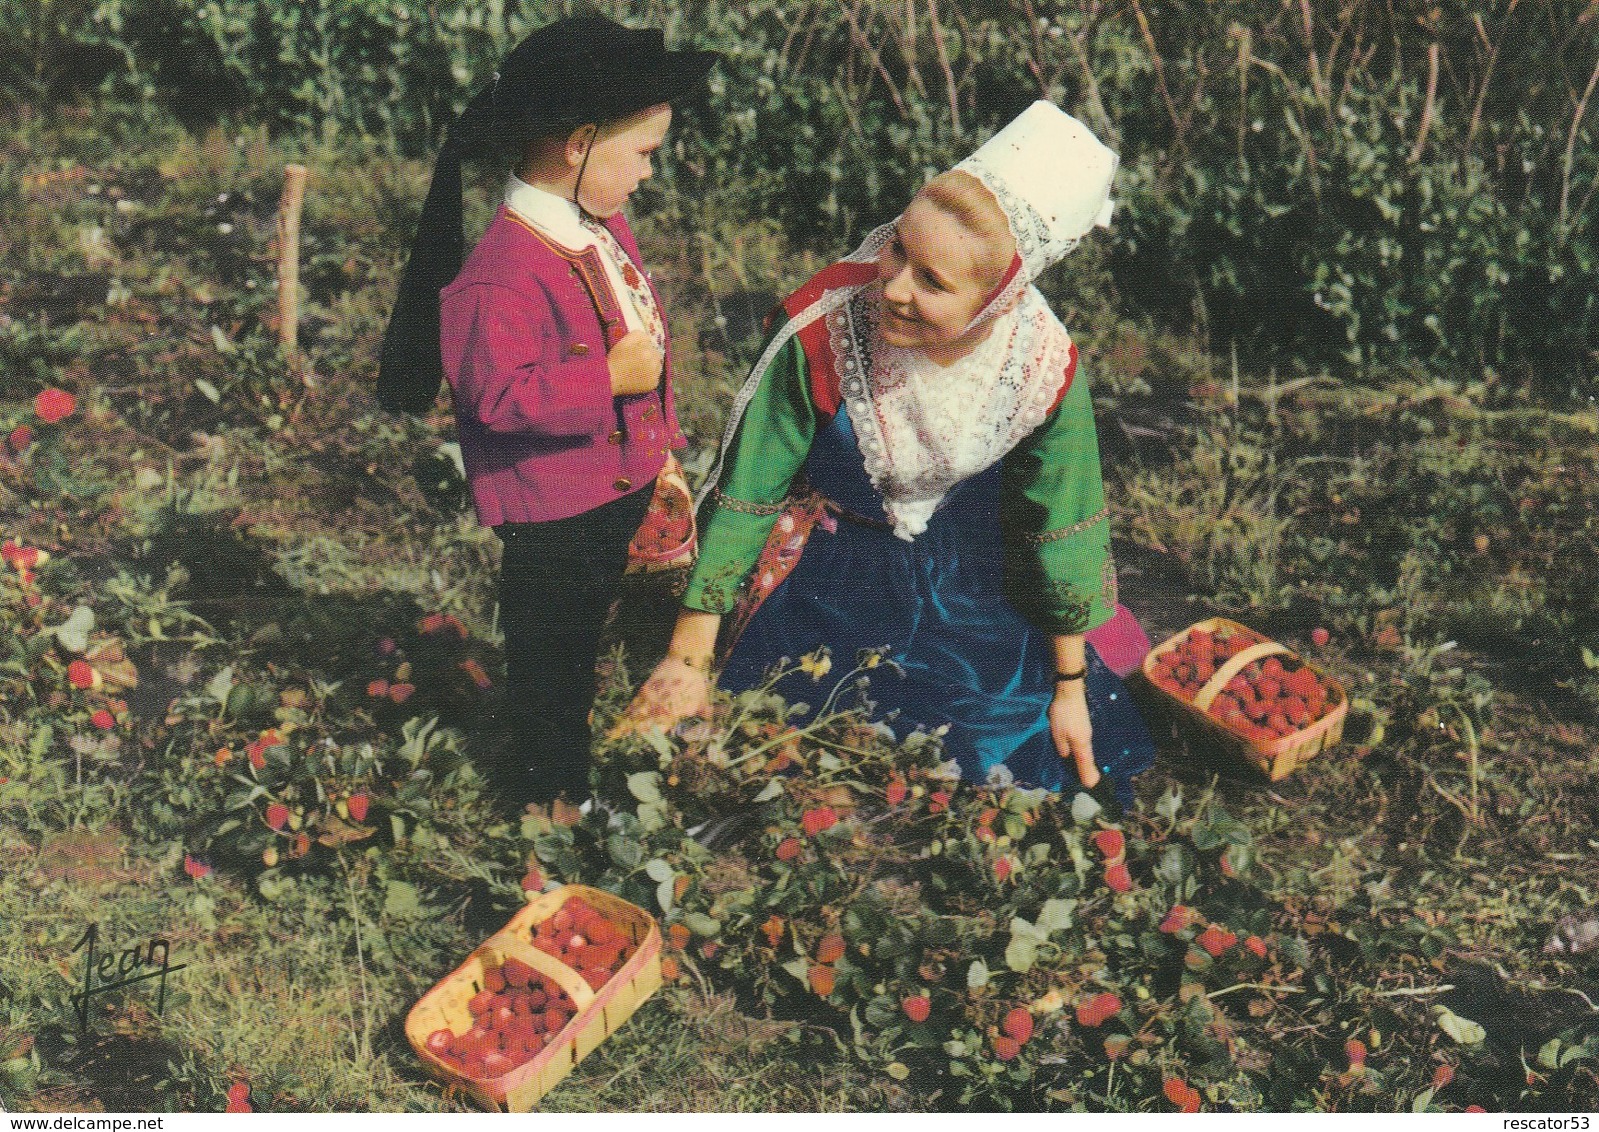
(587,69)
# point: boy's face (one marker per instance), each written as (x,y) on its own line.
(620,159)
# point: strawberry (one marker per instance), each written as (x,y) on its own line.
(54,404)
(823,979)
(439,1042)
(830,949)
(357,804)
(1216,941)
(1117,878)
(378,689)
(1319,637)
(772,929)
(238,1092)
(196,868)
(20,439)
(1006,1047)
(1018,1024)
(788,849)
(1255,946)
(494,980)
(1355,1051)
(81,674)
(916,1007)
(103,719)
(938,801)
(1180,917)
(1002,868)
(1442,1076)
(1181,1094)
(819,819)
(894,793)
(1111,844)
(1098,1010)
(276,815)
(401,692)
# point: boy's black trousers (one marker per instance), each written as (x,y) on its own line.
(557,582)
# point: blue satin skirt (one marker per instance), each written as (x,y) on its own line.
(964,659)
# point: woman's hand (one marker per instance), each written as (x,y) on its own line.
(1073,733)
(678,688)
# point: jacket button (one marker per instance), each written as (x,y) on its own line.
(577,349)
(615,437)
(623,484)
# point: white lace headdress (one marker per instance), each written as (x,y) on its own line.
(924,428)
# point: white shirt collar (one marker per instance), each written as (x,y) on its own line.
(553,214)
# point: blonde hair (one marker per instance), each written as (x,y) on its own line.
(966,200)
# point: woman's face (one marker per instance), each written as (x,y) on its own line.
(929,285)
(619,159)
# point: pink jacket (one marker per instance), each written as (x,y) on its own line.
(525,327)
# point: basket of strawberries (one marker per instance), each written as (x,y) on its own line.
(537,997)
(1258,697)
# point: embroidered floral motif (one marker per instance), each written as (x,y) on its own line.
(1066,607)
(1099,516)
(744,506)
(1107,581)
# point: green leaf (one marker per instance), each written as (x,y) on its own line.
(658,870)
(220,685)
(977,975)
(773,789)
(402,900)
(645,786)
(625,851)
(212,394)
(1021,953)
(1170,803)
(701,924)
(74,632)
(1056,914)
(665,897)
(1084,808)
(1462,1030)
(1549,1054)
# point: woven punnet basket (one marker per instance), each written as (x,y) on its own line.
(600,1011)
(1277,757)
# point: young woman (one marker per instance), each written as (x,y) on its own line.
(552,338)
(922,405)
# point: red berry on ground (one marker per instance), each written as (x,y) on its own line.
(276,815)
(1319,637)
(1018,1024)
(917,1007)
(54,404)
(357,804)
(1006,1047)
(1118,879)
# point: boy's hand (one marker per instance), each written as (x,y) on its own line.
(635,364)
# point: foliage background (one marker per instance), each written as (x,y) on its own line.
(1323,185)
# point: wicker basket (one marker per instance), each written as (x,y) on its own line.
(599,1012)
(1276,757)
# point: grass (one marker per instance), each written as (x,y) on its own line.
(1441,531)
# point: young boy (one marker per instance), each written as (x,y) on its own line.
(553,342)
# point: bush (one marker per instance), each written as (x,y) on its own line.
(1326,189)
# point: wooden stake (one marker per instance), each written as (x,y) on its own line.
(294,178)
